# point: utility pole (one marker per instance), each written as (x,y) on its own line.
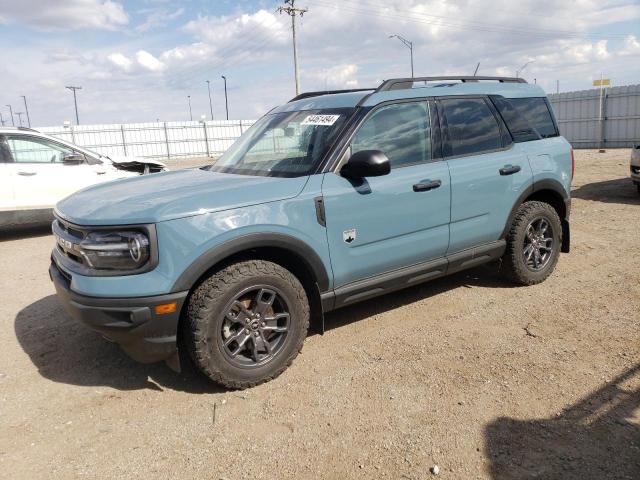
(226,100)
(75,101)
(190,114)
(210,102)
(291,10)
(26,109)
(11,112)
(407,44)
(19,114)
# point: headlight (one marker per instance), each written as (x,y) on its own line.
(116,250)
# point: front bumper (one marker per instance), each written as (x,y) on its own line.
(131,322)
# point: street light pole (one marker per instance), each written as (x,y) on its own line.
(226,100)
(19,114)
(521,69)
(26,109)
(1,119)
(407,44)
(13,123)
(210,102)
(190,114)
(75,101)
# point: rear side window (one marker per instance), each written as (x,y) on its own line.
(472,128)
(537,112)
(518,126)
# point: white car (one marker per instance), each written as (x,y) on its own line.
(37,171)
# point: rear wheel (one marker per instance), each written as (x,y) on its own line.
(246,323)
(533,244)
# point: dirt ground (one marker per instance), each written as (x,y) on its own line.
(468,373)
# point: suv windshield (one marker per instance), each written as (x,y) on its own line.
(286,144)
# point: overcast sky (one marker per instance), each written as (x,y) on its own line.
(138,60)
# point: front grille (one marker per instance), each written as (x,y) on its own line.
(67,239)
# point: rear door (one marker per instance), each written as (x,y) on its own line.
(488,172)
(381,224)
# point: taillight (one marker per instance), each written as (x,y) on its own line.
(573,164)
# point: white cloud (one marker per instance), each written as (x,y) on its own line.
(120,61)
(341,46)
(158,18)
(631,46)
(340,76)
(65,14)
(149,62)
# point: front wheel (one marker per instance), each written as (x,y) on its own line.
(533,244)
(246,323)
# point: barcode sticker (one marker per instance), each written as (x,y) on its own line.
(326,120)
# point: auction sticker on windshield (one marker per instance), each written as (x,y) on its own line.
(327,120)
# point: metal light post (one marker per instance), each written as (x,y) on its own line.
(19,114)
(407,44)
(210,102)
(226,100)
(521,69)
(26,109)
(190,114)
(75,101)
(1,119)
(13,123)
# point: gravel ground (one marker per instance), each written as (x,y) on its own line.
(468,373)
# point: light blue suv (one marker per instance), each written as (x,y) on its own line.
(330,199)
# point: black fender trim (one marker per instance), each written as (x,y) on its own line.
(546,184)
(199,267)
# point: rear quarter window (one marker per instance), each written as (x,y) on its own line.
(538,113)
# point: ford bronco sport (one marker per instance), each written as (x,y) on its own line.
(330,199)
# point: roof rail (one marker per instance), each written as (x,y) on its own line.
(406,83)
(28,129)
(328,92)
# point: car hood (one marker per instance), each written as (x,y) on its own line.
(170,195)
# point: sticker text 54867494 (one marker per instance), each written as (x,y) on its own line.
(326,120)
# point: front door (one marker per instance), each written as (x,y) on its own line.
(381,224)
(39,176)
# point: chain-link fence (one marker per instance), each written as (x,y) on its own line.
(168,140)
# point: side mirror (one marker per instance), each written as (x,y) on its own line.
(73,159)
(366,163)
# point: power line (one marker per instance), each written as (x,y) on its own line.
(442,21)
(293,12)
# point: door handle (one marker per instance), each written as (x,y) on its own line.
(426,185)
(27,174)
(509,169)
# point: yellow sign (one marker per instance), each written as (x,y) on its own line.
(604,82)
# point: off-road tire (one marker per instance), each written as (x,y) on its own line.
(204,319)
(514,267)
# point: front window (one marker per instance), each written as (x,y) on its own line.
(286,144)
(36,150)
